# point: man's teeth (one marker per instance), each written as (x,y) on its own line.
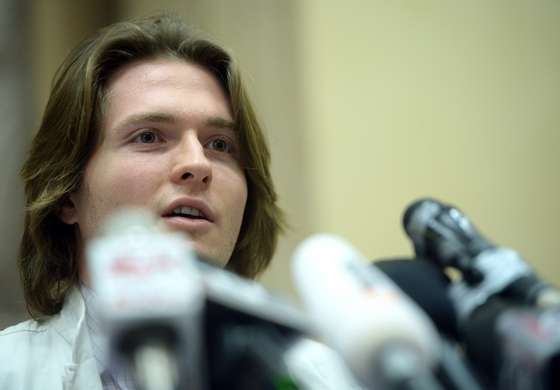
(188,211)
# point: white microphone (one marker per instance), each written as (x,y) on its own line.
(388,341)
(151,300)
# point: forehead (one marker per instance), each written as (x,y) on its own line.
(163,71)
(169,86)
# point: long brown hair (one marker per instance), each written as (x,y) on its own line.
(69,133)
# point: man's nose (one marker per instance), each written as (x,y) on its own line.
(191,165)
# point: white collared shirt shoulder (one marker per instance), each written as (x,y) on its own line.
(53,354)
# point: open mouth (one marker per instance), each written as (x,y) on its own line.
(187,212)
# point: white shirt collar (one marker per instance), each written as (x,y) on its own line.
(100,342)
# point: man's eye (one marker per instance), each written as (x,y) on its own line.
(221,145)
(146,137)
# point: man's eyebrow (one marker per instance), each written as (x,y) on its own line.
(220,123)
(161,117)
(152,117)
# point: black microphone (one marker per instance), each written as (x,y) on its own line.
(257,340)
(428,286)
(508,346)
(513,347)
(253,337)
(443,234)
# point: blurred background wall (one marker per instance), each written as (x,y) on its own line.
(14,135)
(367,106)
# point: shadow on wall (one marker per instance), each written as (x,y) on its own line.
(14,109)
(37,37)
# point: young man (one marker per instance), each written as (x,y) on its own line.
(145,113)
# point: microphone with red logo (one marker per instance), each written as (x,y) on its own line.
(151,302)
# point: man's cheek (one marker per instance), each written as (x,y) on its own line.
(134,185)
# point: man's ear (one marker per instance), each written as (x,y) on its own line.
(67,212)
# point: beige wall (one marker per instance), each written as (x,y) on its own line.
(456,100)
(371,104)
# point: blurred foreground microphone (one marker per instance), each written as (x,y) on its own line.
(444,235)
(515,348)
(427,286)
(258,341)
(150,301)
(512,346)
(387,341)
(175,321)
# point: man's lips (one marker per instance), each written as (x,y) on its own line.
(190,225)
(206,213)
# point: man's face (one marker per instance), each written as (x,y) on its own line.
(168,145)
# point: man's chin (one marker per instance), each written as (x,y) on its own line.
(208,256)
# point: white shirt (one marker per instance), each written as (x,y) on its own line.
(67,351)
(119,379)
(55,354)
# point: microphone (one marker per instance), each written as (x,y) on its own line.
(387,341)
(427,286)
(318,367)
(257,340)
(445,235)
(502,336)
(515,348)
(151,301)
(177,321)
(249,333)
